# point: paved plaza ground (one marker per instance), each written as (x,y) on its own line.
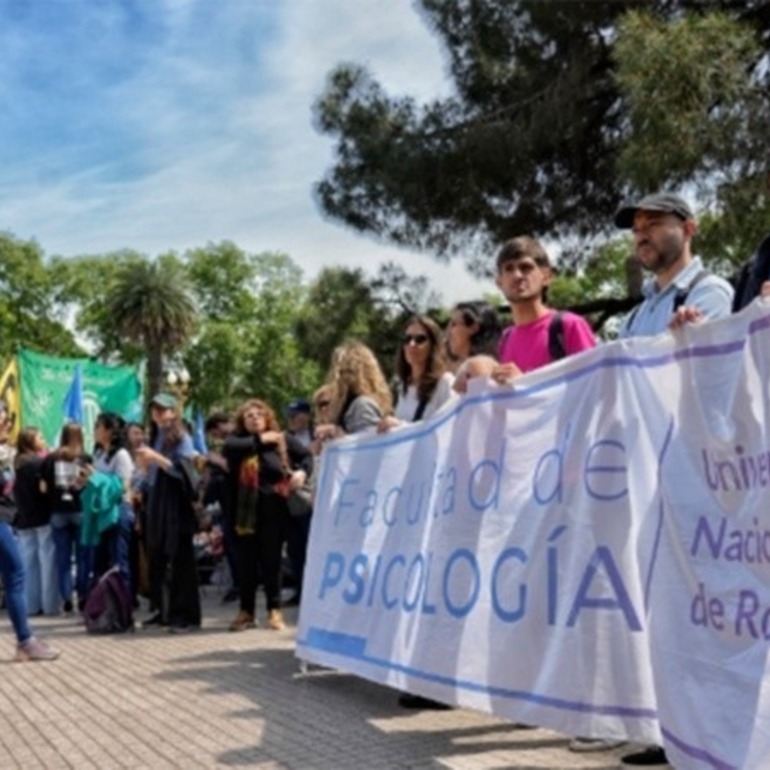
(216,699)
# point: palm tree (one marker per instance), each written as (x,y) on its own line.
(151,304)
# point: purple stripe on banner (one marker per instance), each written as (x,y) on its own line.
(696,753)
(614,362)
(659,526)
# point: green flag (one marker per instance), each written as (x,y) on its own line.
(45,381)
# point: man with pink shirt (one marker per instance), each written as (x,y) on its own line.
(539,335)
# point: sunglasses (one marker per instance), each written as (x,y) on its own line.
(418,339)
(322,404)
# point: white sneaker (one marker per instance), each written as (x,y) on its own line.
(585,745)
(35,649)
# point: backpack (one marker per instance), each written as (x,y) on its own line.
(754,272)
(109,608)
(557,347)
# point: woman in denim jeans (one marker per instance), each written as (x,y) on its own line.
(28,647)
(33,526)
(63,476)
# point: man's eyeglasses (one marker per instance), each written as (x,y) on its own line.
(418,339)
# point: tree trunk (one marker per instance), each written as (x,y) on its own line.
(154,371)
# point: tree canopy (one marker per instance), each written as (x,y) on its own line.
(560,111)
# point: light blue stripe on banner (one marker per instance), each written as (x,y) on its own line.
(354,647)
(333,641)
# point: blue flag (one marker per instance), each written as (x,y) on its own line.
(73,400)
(199,434)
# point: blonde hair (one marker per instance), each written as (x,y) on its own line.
(324,393)
(355,372)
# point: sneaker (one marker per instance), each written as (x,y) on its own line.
(652,756)
(275,620)
(584,745)
(34,649)
(68,607)
(243,620)
(156,619)
(293,601)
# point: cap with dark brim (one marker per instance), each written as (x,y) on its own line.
(164,401)
(665,202)
(297,406)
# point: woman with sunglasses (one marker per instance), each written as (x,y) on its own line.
(425,385)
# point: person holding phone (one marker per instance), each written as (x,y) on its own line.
(63,474)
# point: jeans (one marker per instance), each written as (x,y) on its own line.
(12,570)
(66,534)
(38,555)
(114,549)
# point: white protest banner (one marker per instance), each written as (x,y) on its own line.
(588,550)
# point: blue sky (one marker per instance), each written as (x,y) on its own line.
(163,125)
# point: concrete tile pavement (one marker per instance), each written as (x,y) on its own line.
(150,699)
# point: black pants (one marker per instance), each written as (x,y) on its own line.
(259,555)
(296,546)
(174,584)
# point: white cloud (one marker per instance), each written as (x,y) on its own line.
(216,146)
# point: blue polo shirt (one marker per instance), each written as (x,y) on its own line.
(712,295)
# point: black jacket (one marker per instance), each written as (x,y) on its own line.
(32,505)
(238,448)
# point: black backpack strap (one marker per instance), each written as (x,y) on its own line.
(557,348)
(420,411)
(682,293)
(632,315)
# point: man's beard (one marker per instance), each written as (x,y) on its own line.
(664,255)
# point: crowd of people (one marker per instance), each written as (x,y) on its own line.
(256,479)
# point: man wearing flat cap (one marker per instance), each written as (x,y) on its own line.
(680,290)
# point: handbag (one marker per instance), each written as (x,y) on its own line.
(301,500)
